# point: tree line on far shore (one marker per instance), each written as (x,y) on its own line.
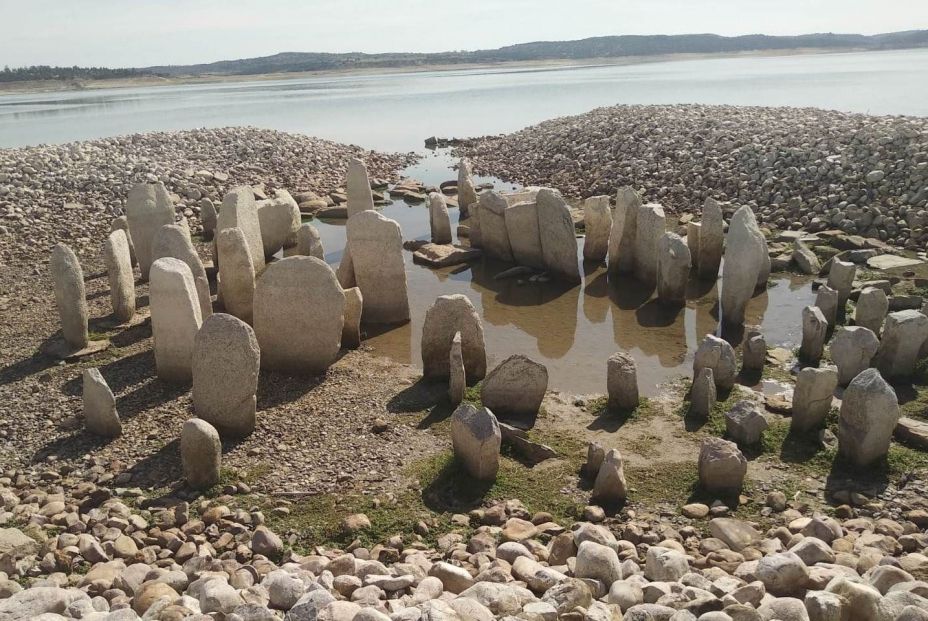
(46,72)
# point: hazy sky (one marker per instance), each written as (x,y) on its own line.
(153,32)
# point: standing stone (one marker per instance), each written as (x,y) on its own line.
(812,397)
(351,330)
(475,235)
(595,454)
(279,219)
(299,313)
(716,354)
(208,215)
(516,387)
(100,415)
(597,218)
(68,281)
(805,260)
(647,242)
(673,269)
(744,267)
(200,453)
(903,335)
(148,208)
(692,242)
(745,423)
(869,413)
(852,350)
(122,224)
(240,211)
(345,273)
(476,440)
(711,240)
(174,241)
(841,279)
(624,230)
(457,380)
(439,222)
(119,273)
(827,300)
(622,381)
(308,242)
(558,236)
(524,234)
(753,352)
(721,466)
(226,360)
(814,330)
(702,394)
(236,273)
(376,246)
(467,193)
(494,235)
(872,307)
(448,315)
(175,318)
(360,197)
(610,487)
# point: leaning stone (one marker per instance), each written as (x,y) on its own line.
(753,352)
(494,236)
(100,415)
(122,224)
(595,454)
(516,387)
(647,243)
(119,273)
(351,330)
(308,242)
(711,239)
(869,413)
(805,260)
(841,279)
(148,208)
(226,360)
(622,381)
(236,274)
(299,314)
(812,397)
(673,269)
(70,296)
(623,232)
(467,193)
(524,234)
(702,394)
(175,318)
(716,354)
(721,466)
(609,486)
(692,242)
(476,439)
(359,193)
(826,299)
(745,423)
(439,222)
(239,210)
(376,246)
(871,309)
(279,219)
(558,236)
(814,331)
(597,218)
(457,380)
(448,315)
(904,333)
(852,349)
(201,453)
(173,240)
(747,264)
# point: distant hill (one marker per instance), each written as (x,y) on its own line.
(595,47)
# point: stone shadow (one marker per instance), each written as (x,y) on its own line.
(276,388)
(454,491)
(424,394)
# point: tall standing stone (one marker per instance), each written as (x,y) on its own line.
(457,376)
(558,236)
(360,197)
(609,486)
(716,354)
(702,394)
(200,453)
(308,242)
(651,228)
(100,415)
(516,387)
(622,381)
(597,218)
(524,234)
(439,222)
(351,330)
(299,313)
(226,360)
(623,232)
(827,300)
(208,215)
(869,413)
(841,279)
(693,233)
(852,350)
(70,296)
(239,210)
(448,315)
(467,193)
(673,271)
(812,397)
(236,273)
(494,235)
(122,224)
(814,330)
(475,235)
(119,273)
(376,245)
(744,267)
(711,240)
(174,241)
(904,333)
(279,219)
(871,309)
(476,440)
(175,318)
(148,208)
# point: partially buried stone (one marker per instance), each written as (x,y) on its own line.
(745,423)
(841,279)
(201,453)
(826,299)
(871,309)
(702,394)
(516,387)
(308,242)
(869,413)
(439,222)
(622,381)
(716,354)
(476,439)
(100,415)
(904,333)
(610,486)
(812,397)
(814,330)
(753,351)
(721,466)
(852,349)
(673,269)
(70,296)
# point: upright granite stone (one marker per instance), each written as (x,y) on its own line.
(200,453)
(753,351)
(812,397)
(558,236)
(827,300)
(475,235)
(279,219)
(174,241)
(447,316)
(841,279)
(624,230)
(100,415)
(308,242)
(360,197)
(673,269)
(351,330)
(693,232)
(226,361)
(122,224)
(208,215)
(716,354)
(439,222)
(376,246)
(494,235)
(119,273)
(345,271)
(651,228)
(610,487)
(476,440)
(702,394)
(236,273)
(175,318)
(904,333)
(457,376)
(721,466)
(746,264)
(871,309)
(597,218)
(240,211)
(516,387)
(622,381)
(467,193)
(711,240)
(70,296)
(299,313)
(869,413)
(524,234)
(852,350)
(814,330)
(148,208)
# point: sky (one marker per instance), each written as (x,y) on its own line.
(136,33)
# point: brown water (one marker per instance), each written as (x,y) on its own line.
(571,329)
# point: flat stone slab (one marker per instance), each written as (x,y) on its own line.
(443,255)
(890,261)
(333,213)
(534,452)
(912,431)
(59,348)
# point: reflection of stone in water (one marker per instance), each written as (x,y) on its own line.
(652,328)
(596,296)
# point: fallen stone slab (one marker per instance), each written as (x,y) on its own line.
(534,452)
(333,213)
(891,261)
(910,431)
(444,255)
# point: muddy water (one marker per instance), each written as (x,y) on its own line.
(572,329)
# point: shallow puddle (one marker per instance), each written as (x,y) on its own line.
(571,329)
